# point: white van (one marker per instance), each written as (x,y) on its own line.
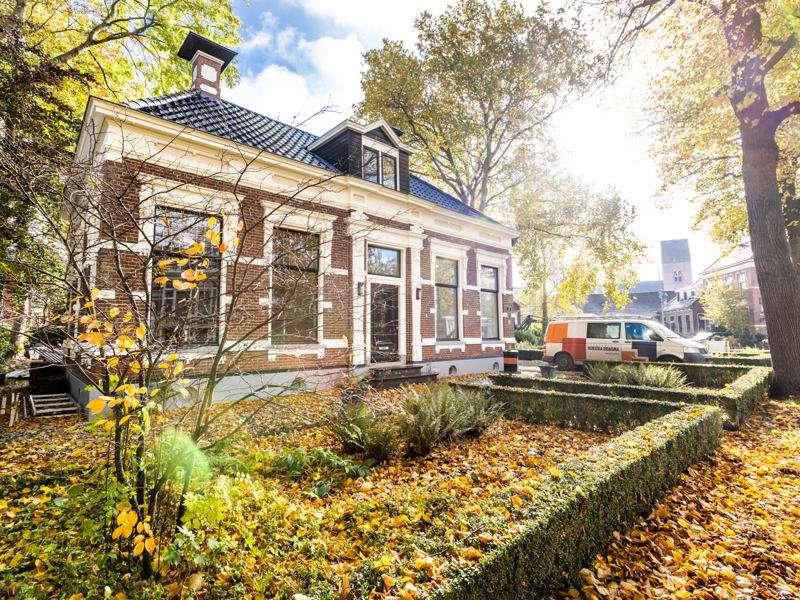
(570,341)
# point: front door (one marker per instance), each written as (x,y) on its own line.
(384,323)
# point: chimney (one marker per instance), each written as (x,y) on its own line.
(209,61)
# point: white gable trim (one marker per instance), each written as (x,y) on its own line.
(362,129)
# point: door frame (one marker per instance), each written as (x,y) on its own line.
(400,283)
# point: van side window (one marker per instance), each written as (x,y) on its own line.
(605,331)
(637,331)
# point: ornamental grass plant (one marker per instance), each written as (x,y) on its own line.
(442,412)
(640,374)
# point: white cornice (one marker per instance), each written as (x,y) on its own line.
(361,129)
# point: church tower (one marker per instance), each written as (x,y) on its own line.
(676,264)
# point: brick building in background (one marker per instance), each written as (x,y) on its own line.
(739,269)
(403,272)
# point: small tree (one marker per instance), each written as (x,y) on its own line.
(726,305)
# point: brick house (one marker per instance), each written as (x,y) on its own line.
(683,313)
(401,272)
(739,269)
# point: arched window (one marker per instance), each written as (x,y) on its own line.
(678,276)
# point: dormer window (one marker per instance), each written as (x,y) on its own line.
(379,168)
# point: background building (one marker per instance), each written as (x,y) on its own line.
(676,264)
(739,269)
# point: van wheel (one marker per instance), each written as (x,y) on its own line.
(670,359)
(563,361)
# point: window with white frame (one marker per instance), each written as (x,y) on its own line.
(379,167)
(446,283)
(489,297)
(295,273)
(743,281)
(185,308)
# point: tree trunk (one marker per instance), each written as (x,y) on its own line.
(545,315)
(778,277)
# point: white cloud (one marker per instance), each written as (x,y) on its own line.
(323,70)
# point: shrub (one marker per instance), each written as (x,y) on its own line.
(325,467)
(628,374)
(439,413)
(532,336)
(361,431)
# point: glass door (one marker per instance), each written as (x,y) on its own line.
(384,323)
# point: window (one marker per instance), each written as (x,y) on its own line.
(680,325)
(701,322)
(388,169)
(639,332)
(743,281)
(446,299)
(688,320)
(184,316)
(371,165)
(295,259)
(489,326)
(729,281)
(383,261)
(672,322)
(379,168)
(678,276)
(603,331)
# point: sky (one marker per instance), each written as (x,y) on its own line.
(301,55)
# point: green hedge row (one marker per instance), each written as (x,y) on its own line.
(579,410)
(530,354)
(737,398)
(743,359)
(567,520)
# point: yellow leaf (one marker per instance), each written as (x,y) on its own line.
(140,331)
(212,221)
(124,419)
(138,549)
(88,304)
(112,313)
(150,544)
(117,532)
(96,405)
(223,246)
(183,261)
(555,473)
(112,362)
(388,582)
(95,293)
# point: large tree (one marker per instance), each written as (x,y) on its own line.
(477,93)
(574,239)
(757,37)
(53,55)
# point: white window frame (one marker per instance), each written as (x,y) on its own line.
(498,261)
(441,249)
(310,222)
(382,149)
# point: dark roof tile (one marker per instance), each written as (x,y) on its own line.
(194,109)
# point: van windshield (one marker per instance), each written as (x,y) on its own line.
(663,331)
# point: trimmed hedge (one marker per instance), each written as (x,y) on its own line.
(568,519)
(531,354)
(737,398)
(581,411)
(743,359)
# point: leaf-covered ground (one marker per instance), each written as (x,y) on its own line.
(731,529)
(264,531)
